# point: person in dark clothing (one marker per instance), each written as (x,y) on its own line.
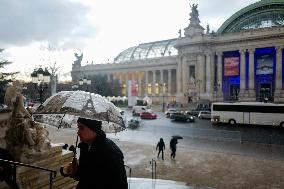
(173,146)
(161,146)
(65,146)
(101,164)
(6,171)
(72,148)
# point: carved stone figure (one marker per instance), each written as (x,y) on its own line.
(20,135)
(194,28)
(78,59)
(207,29)
(194,15)
(12,93)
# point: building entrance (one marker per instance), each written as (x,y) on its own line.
(234,92)
(265,92)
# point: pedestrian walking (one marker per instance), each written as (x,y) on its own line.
(161,147)
(101,164)
(173,147)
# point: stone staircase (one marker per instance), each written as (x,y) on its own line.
(29,178)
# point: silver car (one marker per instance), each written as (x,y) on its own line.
(204,115)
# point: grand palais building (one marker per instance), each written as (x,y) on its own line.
(242,61)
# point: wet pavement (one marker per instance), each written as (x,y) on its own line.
(140,183)
(199,162)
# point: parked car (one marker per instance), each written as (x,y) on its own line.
(148,115)
(121,111)
(137,110)
(30,104)
(196,111)
(169,112)
(204,115)
(134,123)
(180,116)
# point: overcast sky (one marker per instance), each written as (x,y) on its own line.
(40,32)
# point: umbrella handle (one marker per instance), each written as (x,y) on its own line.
(75,168)
(61,170)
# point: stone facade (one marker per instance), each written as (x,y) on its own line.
(198,71)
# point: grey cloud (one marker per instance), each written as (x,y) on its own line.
(26,21)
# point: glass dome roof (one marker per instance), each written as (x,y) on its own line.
(148,50)
(262,14)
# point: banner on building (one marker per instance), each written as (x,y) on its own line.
(132,92)
(264,64)
(231,66)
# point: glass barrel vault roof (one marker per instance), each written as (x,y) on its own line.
(148,50)
(262,14)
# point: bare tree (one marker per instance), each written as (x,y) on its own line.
(50,59)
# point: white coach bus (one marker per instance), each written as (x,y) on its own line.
(255,113)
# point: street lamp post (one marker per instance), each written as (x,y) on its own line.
(40,79)
(85,81)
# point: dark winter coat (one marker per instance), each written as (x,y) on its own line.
(160,145)
(101,166)
(173,144)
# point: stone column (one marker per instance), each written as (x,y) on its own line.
(169,82)
(219,76)
(184,76)
(179,76)
(139,84)
(212,68)
(146,83)
(202,73)
(161,82)
(242,74)
(279,92)
(153,82)
(126,83)
(208,72)
(251,87)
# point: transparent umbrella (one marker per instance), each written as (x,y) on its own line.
(83,104)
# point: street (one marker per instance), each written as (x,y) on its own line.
(203,129)
(245,140)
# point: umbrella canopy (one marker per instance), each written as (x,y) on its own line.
(177,137)
(84,104)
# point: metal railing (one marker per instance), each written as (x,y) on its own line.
(51,176)
(154,168)
(129,168)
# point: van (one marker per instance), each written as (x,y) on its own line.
(137,110)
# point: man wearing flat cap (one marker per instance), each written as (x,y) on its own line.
(101,164)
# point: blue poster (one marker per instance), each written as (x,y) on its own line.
(264,64)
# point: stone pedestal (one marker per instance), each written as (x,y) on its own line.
(13,137)
(219,96)
(279,96)
(247,96)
